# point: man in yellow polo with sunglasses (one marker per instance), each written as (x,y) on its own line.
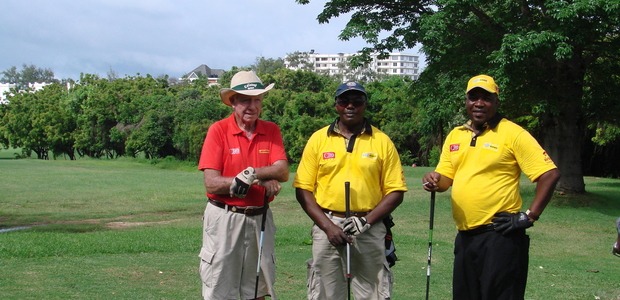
(349,150)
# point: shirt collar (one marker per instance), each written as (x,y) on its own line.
(234,128)
(333,127)
(490,124)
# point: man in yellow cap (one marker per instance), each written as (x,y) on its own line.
(482,161)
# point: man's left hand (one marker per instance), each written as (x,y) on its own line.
(241,183)
(354,225)
(506,223)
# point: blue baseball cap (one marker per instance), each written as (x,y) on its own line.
(349,86)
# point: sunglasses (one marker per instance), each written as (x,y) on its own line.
(356,101)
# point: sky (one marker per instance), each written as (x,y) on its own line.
(161,37)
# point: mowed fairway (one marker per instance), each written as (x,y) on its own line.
(123,229)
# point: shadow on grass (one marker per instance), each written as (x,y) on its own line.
(607,203)
(68,228)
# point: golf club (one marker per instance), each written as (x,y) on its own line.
(260,244)
(347,214)
(430,244)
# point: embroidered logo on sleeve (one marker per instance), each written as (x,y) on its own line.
(547,158)
(454,147)
(329,155)
(264,151)
(234,151)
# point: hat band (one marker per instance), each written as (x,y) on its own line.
(249,86)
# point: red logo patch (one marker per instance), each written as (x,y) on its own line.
(454,147)
(329,155)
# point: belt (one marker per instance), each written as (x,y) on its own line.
(248,211)
(343,215)
(478,230)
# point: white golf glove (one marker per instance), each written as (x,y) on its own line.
(241,183)
(354,225)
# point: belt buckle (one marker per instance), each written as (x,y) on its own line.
(241,210)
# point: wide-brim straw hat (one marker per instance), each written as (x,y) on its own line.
(246,83)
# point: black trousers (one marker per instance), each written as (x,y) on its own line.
(490,266)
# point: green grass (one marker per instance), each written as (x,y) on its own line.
(130,229)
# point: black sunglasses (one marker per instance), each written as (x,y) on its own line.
(356,101)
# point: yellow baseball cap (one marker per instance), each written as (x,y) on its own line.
(482,81)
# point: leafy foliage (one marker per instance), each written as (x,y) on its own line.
(556,61)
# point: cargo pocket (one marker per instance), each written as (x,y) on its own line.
(206,269)
(314,281)
(386,284)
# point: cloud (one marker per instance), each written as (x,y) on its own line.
(160,36)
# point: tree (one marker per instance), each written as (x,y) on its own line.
(300,61)
(28,74)
(267,65)
(545,55)
(392,110)
(10,75)
(40,122)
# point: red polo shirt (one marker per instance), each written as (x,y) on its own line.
(227,149)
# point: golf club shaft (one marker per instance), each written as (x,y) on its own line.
(347,214)
(430,243)
(260,244)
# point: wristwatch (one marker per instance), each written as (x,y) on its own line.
(531,216)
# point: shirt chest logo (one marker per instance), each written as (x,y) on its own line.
(490,146)
(454,147)
(329,155)
(235,151)
(371,155)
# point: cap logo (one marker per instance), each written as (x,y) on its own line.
(248,86)
(350,83)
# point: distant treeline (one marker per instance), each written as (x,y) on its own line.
(146,116)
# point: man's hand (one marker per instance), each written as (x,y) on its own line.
(241,183)
(506,223)
(354,225)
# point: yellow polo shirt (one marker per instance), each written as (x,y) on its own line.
(486,170)
(369,161)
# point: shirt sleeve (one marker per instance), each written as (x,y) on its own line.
(212,147)
(305,177)
(531,157)
(393,177)
(444,166)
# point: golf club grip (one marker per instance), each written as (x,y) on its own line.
(265,203)
(432,210)
(347,213)
(347,199)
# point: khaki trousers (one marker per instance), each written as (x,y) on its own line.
(371,275)
(229,255)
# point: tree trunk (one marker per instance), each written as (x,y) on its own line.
(562,132)
(562,141)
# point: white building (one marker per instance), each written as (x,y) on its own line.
(4,90)
(400,64)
